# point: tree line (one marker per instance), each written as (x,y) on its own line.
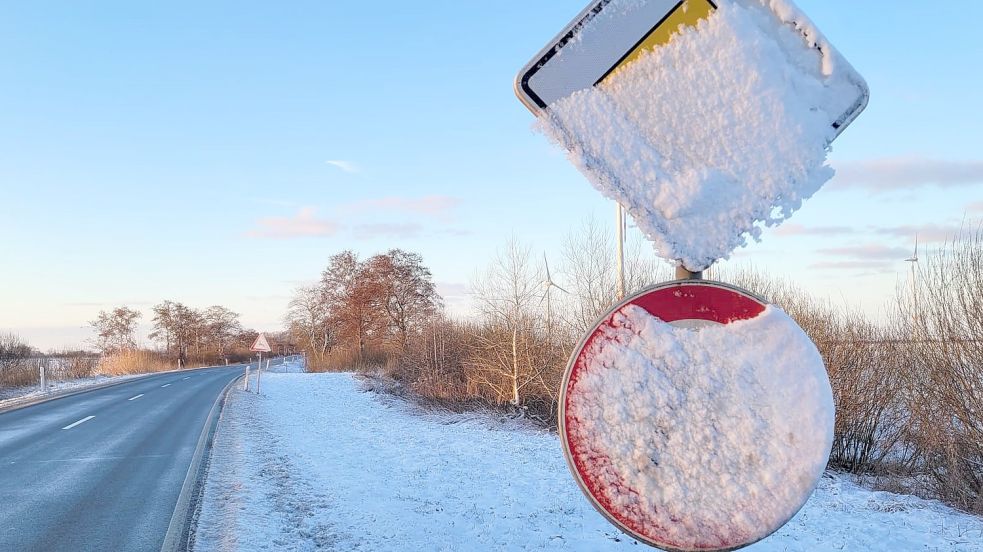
(182,333)
(908,387)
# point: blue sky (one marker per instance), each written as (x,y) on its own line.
(219,153)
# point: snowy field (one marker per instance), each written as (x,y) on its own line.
(317,463)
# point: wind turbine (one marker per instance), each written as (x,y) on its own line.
(547,284)
(914,261)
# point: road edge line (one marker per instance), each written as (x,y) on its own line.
(179,529)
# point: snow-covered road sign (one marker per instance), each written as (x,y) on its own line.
(605,36)
(261,345)
(695,417)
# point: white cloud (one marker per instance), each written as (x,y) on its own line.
(347,166)
(901,173)
(386,230)
(305,224)
(868,252)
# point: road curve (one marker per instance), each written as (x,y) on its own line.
(102,470)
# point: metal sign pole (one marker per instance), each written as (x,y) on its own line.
(259,370)
(621,251)
(683,274)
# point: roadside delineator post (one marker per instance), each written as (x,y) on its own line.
(245,382)
(44,379)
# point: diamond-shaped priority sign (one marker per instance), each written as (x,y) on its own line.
(606,36)
(261,345)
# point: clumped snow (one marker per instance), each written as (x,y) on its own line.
(700,439)
(724,129)
(316,463)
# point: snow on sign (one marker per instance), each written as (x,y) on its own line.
(694,416)
(261,345)
(705,119)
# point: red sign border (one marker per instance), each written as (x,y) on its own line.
(734,304)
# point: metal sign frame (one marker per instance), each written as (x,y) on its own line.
(588,338)
(525,88)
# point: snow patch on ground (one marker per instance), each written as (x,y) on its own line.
(318,463)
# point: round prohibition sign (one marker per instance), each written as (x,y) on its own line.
(691,304)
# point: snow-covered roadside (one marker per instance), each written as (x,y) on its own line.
(315,462)
(17,395)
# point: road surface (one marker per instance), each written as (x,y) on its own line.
(102,470)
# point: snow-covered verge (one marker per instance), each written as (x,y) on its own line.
(17,395)
(315,462)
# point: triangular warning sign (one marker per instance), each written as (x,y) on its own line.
(261,345)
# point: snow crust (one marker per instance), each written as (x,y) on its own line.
(315,463)
(723,130)
(701,439)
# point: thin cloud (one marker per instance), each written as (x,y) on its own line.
(868,252)
(891,174)
(436,206)
(347,166)
(386,230)
(305,224)
(872,266)
(975,207)
(869,258)
(927,233)
(791,229)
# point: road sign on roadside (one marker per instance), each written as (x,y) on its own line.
(654,426)
(606,36)
(261,345)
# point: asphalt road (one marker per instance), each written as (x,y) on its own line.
(102,470)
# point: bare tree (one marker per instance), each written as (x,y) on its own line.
(407,295)
(221,328)
(309,320)
(351,296)
(115,329)
(507,295)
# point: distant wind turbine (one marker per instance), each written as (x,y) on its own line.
(548,284)
(914,261)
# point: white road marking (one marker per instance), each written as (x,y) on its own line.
(189,377)
(135,398)
(82,421)
(165,385)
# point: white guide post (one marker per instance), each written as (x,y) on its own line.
(44,379)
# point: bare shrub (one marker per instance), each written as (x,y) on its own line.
(433,363)
(17,368)
(134,362)
(75,364)
(940,332)
(864,371)
(349,359)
